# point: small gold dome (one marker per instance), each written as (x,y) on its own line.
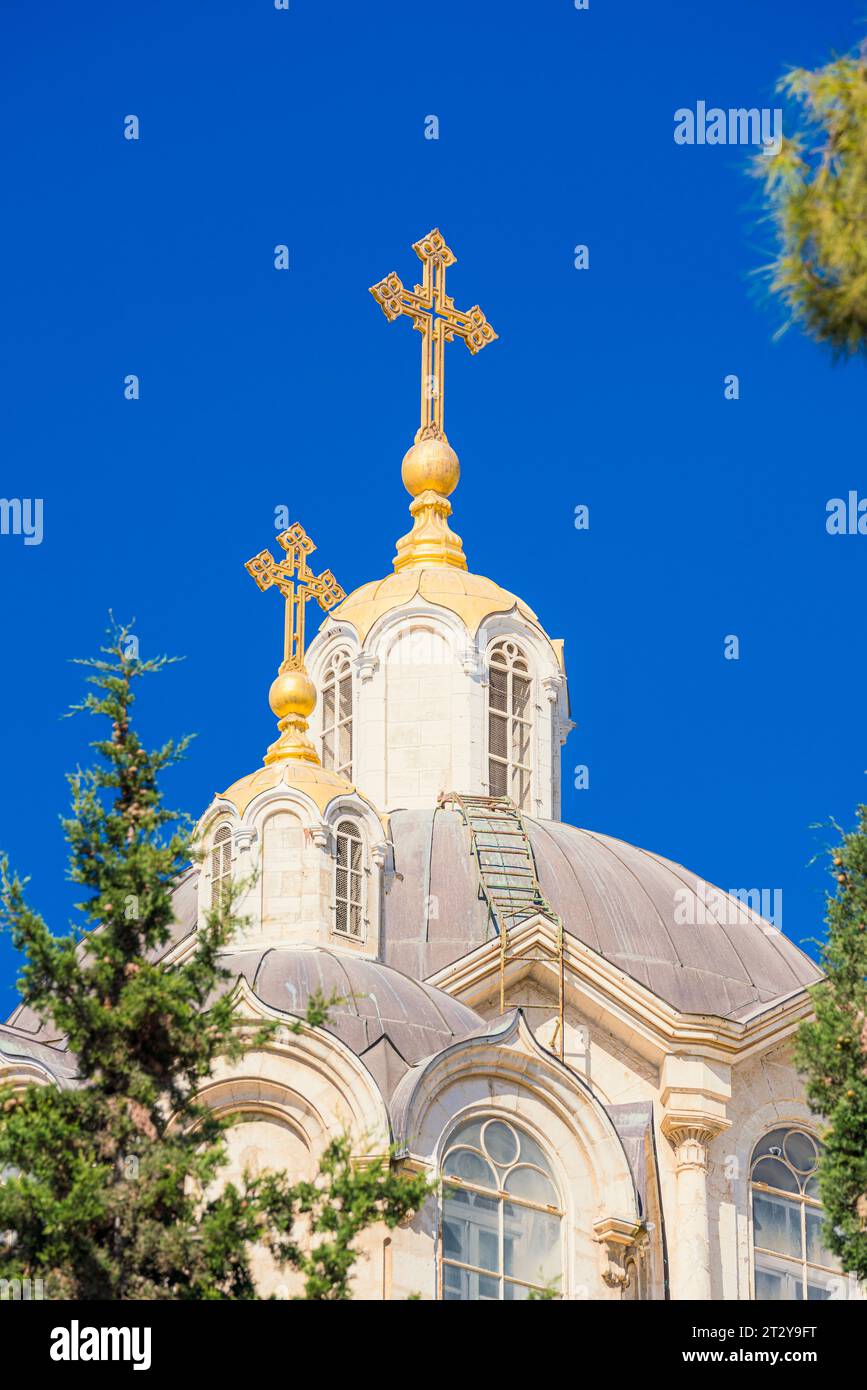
(472,597)
(316,782)
(293,692)
(430,465)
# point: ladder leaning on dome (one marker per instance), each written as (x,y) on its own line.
(509,884)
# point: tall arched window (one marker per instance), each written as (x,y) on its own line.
(510,726)
(337,715)
(349,880)
(501,1216)
(221,865)
(791,1261)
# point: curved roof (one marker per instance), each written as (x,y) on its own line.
(390,1020)
(316,782)
(471,596)
(694,946)
(21,1051)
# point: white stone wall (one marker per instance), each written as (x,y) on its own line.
(294,881)
(425,703)
(766,1092)
(283,851)
(420,722)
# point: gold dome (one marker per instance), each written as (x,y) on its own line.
(430,465)
(471,596)
(316,782)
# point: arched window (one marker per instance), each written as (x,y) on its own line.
(349,880)
(791,1261)
(510,726)
(501,1216)
(337,715)
(221,865)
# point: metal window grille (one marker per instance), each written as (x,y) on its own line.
(349,880)
(337,716)
(221,865)
(510,725)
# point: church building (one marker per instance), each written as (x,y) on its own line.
(585,1044)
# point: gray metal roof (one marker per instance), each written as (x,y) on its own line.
(20,1049)
(621,901)
(387,1018)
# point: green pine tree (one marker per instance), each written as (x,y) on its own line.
(108,1186)
(816,193)
(832,1053)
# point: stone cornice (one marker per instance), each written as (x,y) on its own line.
(654,1028)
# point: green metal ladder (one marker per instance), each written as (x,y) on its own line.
(508,881)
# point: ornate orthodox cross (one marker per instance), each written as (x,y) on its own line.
(434,314)
(297,584)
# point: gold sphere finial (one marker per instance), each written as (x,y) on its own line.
(430,465)
(293,692)
(430,472)
(292,698)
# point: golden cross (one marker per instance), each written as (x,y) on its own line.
(434,314)
(287,575)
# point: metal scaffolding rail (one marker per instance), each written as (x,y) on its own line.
(508,883)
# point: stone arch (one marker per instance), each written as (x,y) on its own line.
(775,1114)
(513,626)
(506,1072)
(310,1079)
(549,703)
(421,616)
(337,638)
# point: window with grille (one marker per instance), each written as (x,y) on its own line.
(791,1260)
(500,1216)
(349,883)
(510,726)
(337,715)
(221,865)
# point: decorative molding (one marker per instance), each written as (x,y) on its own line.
(320,834)
(656,1028)
(320,1066)
(620,1240)
(508,1071)
(365,665)
(431,540)
(382,855)
(552,685)
(244,837)
(474,664)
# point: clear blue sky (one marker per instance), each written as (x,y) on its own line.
(261,388)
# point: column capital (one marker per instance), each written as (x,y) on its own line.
(690,1137)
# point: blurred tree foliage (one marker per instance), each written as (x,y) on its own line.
(816,194)
(832,1053)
